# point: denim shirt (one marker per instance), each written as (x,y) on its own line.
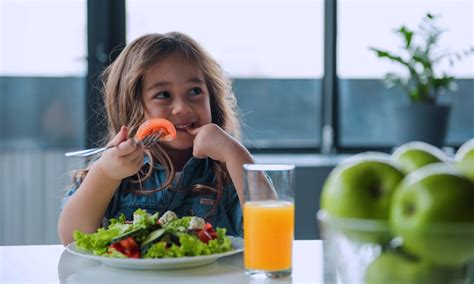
(180,198)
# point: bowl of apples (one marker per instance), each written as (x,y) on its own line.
(401,218)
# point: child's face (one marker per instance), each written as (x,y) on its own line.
(176,90)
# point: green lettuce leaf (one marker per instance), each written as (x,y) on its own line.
(111,252)
(221,244)
(191,245)
(141,219)
(178,225)
(98,242)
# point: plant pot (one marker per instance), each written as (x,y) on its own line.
(421,122)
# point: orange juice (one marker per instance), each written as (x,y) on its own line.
(268,235)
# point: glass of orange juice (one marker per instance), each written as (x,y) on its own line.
(268,219)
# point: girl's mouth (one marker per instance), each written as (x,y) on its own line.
(184,126)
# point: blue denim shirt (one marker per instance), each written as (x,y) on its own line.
(180,198)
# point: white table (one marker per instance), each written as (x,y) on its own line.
(53,264)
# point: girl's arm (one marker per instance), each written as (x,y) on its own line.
(85,208)
(236,156)
(213,142)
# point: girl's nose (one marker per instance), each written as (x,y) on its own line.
(181,107)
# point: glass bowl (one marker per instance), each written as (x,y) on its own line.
(366,251)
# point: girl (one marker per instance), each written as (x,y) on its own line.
(199,173)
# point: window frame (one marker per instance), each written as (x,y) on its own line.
(107,37)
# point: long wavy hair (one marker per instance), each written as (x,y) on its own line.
(122,91)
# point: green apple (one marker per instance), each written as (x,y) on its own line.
(361,188)
(395,267)
(414,155)
(433,212)
(465,159)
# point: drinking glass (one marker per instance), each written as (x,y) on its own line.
(268,219)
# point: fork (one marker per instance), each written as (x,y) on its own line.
(148,141)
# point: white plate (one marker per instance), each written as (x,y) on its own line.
(159,263)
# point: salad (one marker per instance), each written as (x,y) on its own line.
(148,236)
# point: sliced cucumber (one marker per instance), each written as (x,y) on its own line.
(151,239)
(136,234)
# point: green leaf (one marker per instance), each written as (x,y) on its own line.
(178,225)
(414,95)
(189,243)
(97,242)
(421,56)
(112,252)
(221,244)
(407,36)
(141,219)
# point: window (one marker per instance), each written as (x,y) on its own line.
(42,102)
(42,70)
(365,105)
(271,49)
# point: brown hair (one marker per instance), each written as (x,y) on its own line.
(122,91)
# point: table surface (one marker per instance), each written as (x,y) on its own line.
(53,264)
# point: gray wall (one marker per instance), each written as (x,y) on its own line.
(41,113)
(309,182)
(368,117)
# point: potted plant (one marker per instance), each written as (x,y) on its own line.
(424,119)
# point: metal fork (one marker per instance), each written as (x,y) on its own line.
(147,141)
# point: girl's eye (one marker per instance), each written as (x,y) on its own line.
(163,95)
(195,91)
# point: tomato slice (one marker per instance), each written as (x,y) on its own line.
(128,247)
(154,125)
(208,226)
(207,233)
(204,236)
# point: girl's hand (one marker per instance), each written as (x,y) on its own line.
(212,141)
(123,160)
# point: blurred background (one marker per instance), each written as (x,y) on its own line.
(309,89)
